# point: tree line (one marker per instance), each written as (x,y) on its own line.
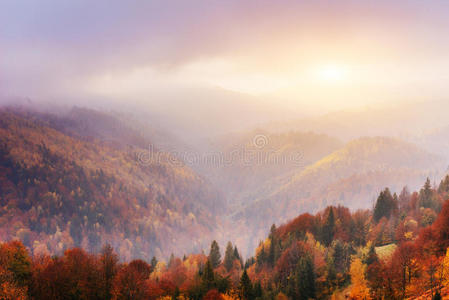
(397,250)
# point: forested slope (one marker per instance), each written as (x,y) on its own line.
(61,189)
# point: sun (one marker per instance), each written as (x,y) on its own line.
(332,73)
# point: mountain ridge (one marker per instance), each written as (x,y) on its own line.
(58,178)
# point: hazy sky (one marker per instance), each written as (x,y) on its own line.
(332,54)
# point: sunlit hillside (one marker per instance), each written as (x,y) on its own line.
(60,191)
(252,161)
(350,176)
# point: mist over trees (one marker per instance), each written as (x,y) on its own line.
(387,253)
(224,150)
(66,193)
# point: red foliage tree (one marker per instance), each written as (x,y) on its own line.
(300,225)
(403,267)
(108,265)
(441,229)
(213,295)
(130,282)
(289,259)
(75,275)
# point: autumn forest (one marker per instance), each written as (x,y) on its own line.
(398,250)
(224,150)
(80,221)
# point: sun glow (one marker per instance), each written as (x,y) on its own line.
(332,73)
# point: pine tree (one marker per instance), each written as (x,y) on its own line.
(331,273)
(272,231)
(261,256)
(385,205)
(257,290)
(249,262)
(229,257)
(444,185)
(306,274)
(404,199)
(245,288)
(425,195)
(171,260)
(340,256)
(272,251)
(208,276)
(153,262)
(236,253)
(395,204)
(214,254)
(329,228)
(237,256)
(301,285)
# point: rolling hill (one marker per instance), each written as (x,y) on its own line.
(62,184)
(351,176)
(251,160)
(405,120)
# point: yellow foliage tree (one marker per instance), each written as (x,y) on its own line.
(445,269)
(229,297)
(359,289)
(281,296)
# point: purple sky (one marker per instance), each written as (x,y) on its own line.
(54,48)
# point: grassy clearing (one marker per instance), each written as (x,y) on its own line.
(385,252)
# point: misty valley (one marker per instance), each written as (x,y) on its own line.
(224,150)
(287,214)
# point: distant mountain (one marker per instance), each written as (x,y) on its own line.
(252,160)
(113,128)
(86,178)
(405,120)
(193,113)
(435,141)
(351,176)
